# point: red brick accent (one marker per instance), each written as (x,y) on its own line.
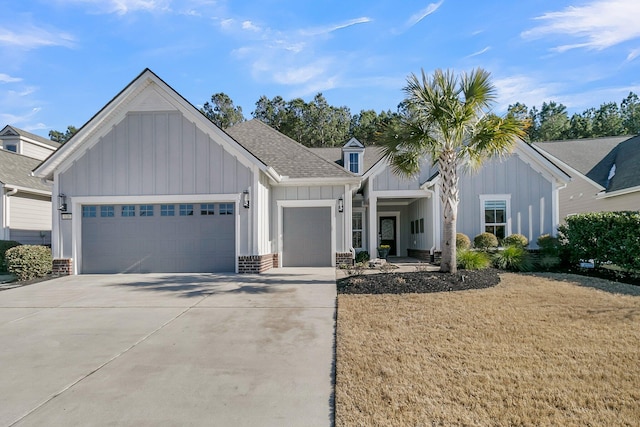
(423,255)
(276,260)
(251,264)
(344,258)
(62,267)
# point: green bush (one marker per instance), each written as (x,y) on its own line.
(4,246)
(549,249)
(485,241)
(605,237)
(462,241)
(468,259)
(513,258)
(29,261)
(362,256)
(515,240)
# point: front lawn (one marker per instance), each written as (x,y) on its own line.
(529,351)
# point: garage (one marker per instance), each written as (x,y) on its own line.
(158,238)
(306,237)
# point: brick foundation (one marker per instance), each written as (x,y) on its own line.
(344,258)
(423,255)
(276,260)
(253,264)
(62,267)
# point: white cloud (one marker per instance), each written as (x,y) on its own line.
(6,78)
(122,7)
(248,25)
(480,52)
(420,15)
(335,27)
(32,37)
(523,89)
(633,55)
(597,25)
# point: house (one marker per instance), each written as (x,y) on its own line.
(605,173)
(150,185)
(25,201)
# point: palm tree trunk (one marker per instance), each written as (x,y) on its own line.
(448,165)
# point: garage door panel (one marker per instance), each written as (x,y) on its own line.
(306,237)
(193,243)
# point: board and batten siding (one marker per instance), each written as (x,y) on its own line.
(530,194)
(263,204)
(421,209)
(386,180)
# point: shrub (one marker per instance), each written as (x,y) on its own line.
(362,256)
(29,261)
(485,241)
(4,246)
(468,259)
(515,240)
(462,241)
(549,252)
(513,258)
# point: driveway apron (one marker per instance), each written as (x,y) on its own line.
(165,350)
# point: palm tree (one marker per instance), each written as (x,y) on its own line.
(448,121)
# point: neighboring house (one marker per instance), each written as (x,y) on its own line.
(605,173)
(25,201)
(151,185)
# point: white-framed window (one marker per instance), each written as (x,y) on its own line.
(128,210)
(146,210)
(167,210)
(357,229)
(207,209)
(11,147)
(354,162)
(226,208)
(496,214)
(186,209)
(107,211)
(89,211)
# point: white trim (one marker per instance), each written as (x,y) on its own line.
(395,214)
(286,181)
(399,194)
(605,195)
(505,197)
(317,203)
(29,190)
(539,163)
(77,202)
(364,230)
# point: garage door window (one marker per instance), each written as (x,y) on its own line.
(167,210)
(226,208)
(207,209)
(89,211)
(129,210)
(107,212)
(186,210)
(146,210)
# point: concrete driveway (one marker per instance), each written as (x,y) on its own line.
(169,350)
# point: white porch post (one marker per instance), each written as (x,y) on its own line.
(373,226)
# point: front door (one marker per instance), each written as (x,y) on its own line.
(388,233)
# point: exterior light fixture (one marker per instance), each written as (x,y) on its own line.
(340,205)
(62,202)
(245,199)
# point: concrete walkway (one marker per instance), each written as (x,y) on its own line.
(168,350)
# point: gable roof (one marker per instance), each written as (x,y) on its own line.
(289,158)
(162,94)
(15,171)
(372,155)
(595,157)
(12,131)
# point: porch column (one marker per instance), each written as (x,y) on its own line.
(373,226)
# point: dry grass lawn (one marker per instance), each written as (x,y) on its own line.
(528,352)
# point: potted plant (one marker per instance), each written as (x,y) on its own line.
(383,251)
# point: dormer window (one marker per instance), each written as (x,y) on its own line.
(11,147)
(354,162)
(352,155)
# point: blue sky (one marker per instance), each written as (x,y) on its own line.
(63,60)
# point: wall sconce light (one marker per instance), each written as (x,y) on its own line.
(62,202)
(340,205)
(245,199)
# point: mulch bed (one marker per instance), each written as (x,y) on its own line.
(418,282)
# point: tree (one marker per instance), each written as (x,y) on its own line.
(449,122)
(520,112)
(581,125)
(551,123)
(607,120)
(62,137)
(222,112)
(630,112)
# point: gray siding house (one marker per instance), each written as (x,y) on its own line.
(150,185)
(25,201)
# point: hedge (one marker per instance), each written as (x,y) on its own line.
(605,237)
(4,246)
(29,261)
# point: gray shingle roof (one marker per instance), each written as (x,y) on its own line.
(15,169)
(30,135)
(372,155)
(594,158)
(288,157)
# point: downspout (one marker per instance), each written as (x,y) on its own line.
(6,214)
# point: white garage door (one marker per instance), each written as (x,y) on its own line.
(168,238)
(306,237)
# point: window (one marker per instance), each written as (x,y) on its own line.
(107,211)
(89,211)
(146,210)
(167,210)
(186,210)
(421,225)
(413,228)
(356,230)
(11,147)
(495,217)
(226,208)
(207,209)
(128,210)
(354,164)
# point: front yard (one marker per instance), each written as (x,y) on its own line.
(529,351)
